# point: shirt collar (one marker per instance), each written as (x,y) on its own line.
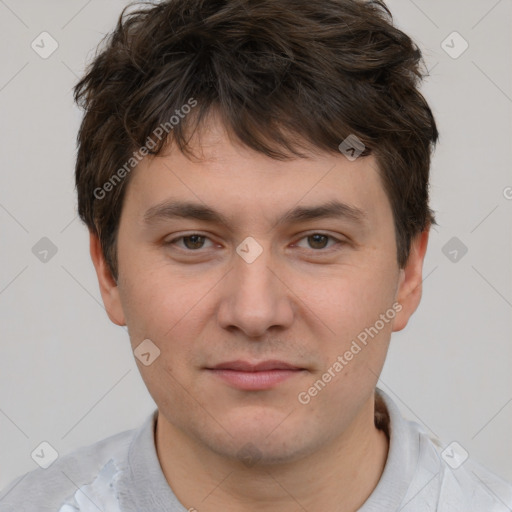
(143,486)
(401,462)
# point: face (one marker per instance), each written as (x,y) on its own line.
(271,308)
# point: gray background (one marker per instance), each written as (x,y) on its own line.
(67,375)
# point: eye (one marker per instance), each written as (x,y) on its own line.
(319,241)
(192,242)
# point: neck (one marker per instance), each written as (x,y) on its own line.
(340,476)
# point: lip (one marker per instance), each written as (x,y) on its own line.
(245,366)
(255,376)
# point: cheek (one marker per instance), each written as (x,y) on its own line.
(164,311)
(350,298)
(355,306)
(170,309)
(158,298)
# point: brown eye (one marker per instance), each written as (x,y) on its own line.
(190,243)
(194,241)
(318,241)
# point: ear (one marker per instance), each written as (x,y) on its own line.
(410,280)
(108,286)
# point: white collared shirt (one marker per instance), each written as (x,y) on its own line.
(122,473)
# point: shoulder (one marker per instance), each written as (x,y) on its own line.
(454,481)
(49,489)
(430,475)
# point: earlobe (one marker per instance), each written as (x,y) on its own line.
(410,281)
(108,286)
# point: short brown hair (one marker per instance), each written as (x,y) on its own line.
(281,73)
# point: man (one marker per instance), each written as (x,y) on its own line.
(254,176)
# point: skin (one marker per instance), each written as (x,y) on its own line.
(302,301)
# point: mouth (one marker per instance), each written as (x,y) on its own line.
(255,376)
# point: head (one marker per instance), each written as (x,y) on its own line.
(224,120)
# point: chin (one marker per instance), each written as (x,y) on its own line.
(262,452)
(265,439)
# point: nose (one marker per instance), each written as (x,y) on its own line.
(255,297)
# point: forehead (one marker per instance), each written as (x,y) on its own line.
(224,180)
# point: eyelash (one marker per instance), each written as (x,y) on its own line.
(337,241)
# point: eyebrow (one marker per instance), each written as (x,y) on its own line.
(173,209)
